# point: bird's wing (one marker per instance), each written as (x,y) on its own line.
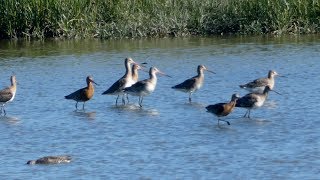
(77,94)
(187,84)
(257,83)
(117,86)
(137,87)
(5,95)
(247,100)
(216,108)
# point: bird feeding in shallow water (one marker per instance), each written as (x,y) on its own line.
(145,87)
(83,94)
(125,81)
(223,109)
(7,94)
(51,160)
(253,100)
(258,85)
(193,84)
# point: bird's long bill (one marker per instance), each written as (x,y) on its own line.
(282,76)
(211,71)
(94,82)
(276,92)
(163,74)
(143,64)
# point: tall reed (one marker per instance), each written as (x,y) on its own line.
(155,18)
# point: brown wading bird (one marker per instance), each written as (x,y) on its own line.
(253,100)
(193,84)
(258,85)
(135,74)
(7,94)
(223,109)
(83,94)
(51,160)
(145,87)
(125,81)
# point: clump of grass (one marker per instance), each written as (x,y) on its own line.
(159,18)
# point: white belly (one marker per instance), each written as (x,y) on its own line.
(260,102)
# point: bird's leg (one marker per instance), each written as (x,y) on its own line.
(77,105)
(245,115)
(127,98)
(123,99)
(83,106)
(4,111)
(140,101)
(117,100)
(189,97)
(225,121)
(1,110)
(249,114)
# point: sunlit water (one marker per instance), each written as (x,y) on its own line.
(168,138)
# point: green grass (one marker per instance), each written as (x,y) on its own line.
(155,18)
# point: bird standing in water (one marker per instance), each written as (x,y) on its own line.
(144,87)
(258,85)
(125,81)
(193,84)
(135,75)
(83,94)
(253,101)
(223,109)
(7,94)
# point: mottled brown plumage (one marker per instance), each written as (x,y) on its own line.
(258,85)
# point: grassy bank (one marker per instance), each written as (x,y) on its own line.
(156,18)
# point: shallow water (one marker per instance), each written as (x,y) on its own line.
(168,138)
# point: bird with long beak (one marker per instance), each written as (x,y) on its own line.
(145,87)
(253,100)
(193,84)
(83,94)
(125,81)
(7,94)
(258,85)
(223,109)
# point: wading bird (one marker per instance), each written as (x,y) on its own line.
(193,84)
(223,109)
(258,85)
(253,100)
(145,87)
(83,94)
(125,81)
(7,94)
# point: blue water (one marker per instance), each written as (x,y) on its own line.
(168,138)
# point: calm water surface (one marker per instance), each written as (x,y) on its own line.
(168,138)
